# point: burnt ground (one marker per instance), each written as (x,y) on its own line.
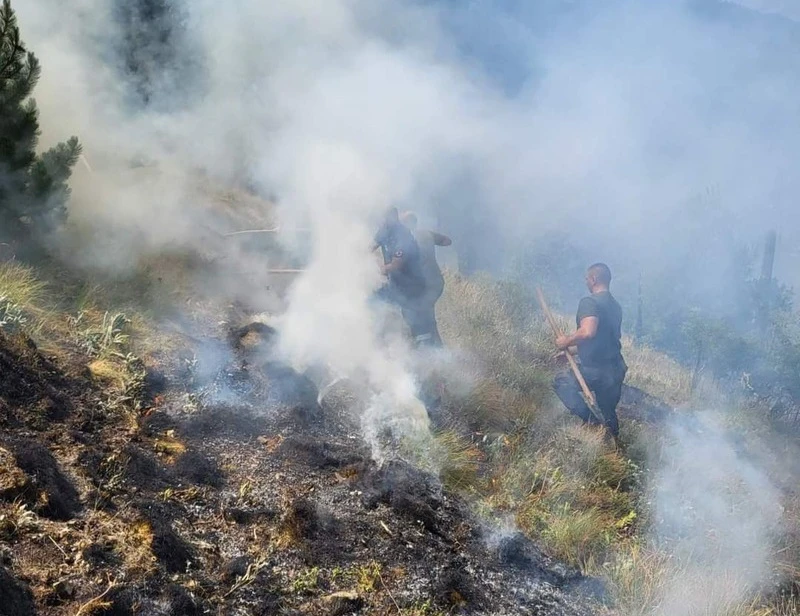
(235,494)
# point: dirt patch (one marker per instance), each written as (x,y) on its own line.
(182,602)
(253,515)
(47,490)
(521,553)
(455,589)
(235,568)
(16,598)
(199,469)
(143,470)
(223,420)
(289,389)
(318,454)
(155,384)
(254,335)
(31,384)
(305,519)
(302,519)
(100,555)
(157,422)
(405,489)
(171,551)
(119,601)
(639,405)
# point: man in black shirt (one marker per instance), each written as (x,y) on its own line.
(599,349)
(406,280)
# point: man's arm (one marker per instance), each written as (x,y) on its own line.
(586,331)
(441,240)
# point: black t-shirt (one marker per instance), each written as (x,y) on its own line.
(397,241)
(605,349)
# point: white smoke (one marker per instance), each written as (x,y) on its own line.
(598,119)
(717,513)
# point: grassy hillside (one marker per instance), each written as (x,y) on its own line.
(520,455)
(502,441)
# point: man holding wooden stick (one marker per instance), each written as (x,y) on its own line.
(406,284)
(597,338)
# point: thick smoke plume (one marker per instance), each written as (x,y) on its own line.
(507,122)
(717,513)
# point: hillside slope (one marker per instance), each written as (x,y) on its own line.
(195,505)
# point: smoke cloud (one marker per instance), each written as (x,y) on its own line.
(717,513)
(655,135)
(508,123)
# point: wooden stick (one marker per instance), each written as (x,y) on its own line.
(588,396)
(273,230)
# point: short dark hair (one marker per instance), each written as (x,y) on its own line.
(602,272)
(409,218)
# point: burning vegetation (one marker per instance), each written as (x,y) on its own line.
(201,475)
(203,412)
(155,493)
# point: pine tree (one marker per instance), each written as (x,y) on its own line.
(33,188)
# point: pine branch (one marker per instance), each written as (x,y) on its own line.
(10,32)
(33,189)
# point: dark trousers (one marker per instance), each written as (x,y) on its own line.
(605,383)
(418,313)
(427,307)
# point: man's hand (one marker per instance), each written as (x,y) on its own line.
(563,342)
(396,264)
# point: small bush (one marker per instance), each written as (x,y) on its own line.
(20,285)
(575,536)
(459,461)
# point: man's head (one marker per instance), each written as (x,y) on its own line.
(392,217)
(598,277)
(409,219)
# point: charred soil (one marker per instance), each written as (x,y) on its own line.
(239,495)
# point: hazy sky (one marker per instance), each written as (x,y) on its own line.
(653,134)
(787,8)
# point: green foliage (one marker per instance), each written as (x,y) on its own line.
(367,576)
(33,189)
(306,581)
(750,332)
(577,535)
(12,317)
(423,608)
(108,336)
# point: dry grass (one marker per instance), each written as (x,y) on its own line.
(21,285)
(23,301)
(458,461)
(558,479)
(16,520)
(657,374)
(108,372)
(583,502)
(576,535)
(475,318)
(635,576)
(169,446)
